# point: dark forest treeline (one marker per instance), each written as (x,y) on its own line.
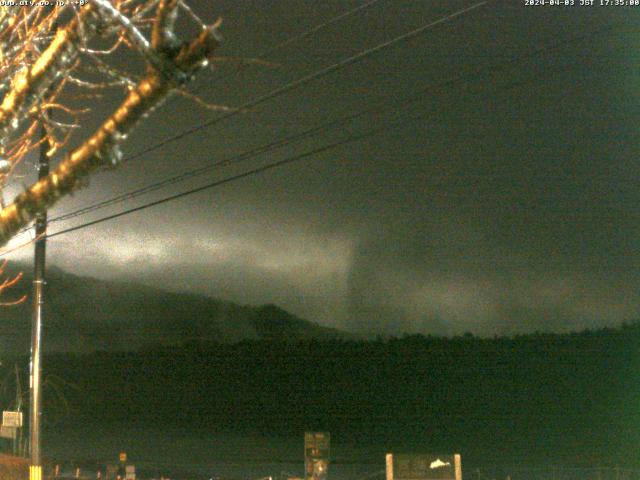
(570,396)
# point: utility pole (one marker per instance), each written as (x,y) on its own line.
(18,445)
(35,466)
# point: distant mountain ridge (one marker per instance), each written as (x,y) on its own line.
(84,314)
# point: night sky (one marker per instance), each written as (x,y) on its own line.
(508,204)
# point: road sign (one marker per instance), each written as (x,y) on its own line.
(130,472)
(8,432)
(423,467)
(123,457)
(316,444)
(316,455)
(11,419)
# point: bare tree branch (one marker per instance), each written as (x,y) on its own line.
(102,148)
(135,37)
(162,35)
(31,84)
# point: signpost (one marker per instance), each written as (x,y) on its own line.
(316,455)
(130,472)
(11,422)
(423,467)
(8,432)
(11,419)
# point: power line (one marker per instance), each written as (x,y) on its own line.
(309,78)
(313,152)
(289,160)
(381,107)
(305,34)
(230,179)
(313,76)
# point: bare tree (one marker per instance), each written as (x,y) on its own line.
(7,282)
(54,58)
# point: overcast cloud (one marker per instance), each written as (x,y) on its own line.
(510,206)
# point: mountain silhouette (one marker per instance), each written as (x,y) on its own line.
(84,314)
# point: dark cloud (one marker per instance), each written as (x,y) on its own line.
(508,204)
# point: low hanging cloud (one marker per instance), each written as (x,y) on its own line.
(447,282)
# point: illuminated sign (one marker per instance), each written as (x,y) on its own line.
(316,455)
(11,419)
(423,467)
(130,472)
